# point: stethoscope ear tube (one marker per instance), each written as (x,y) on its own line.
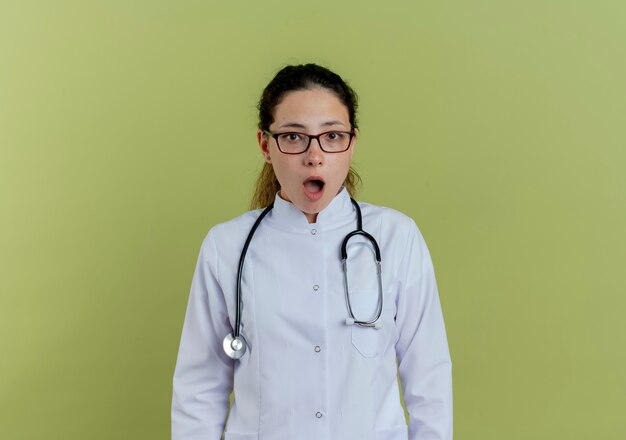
(351,320)
(374,321)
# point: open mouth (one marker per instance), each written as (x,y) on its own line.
(313,186)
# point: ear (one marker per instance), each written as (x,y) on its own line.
(263,141)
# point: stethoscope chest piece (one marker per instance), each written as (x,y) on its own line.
(234,347)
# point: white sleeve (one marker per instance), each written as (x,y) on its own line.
(203,378)
(424,363)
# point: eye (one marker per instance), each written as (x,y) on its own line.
(335,135)
(290,137)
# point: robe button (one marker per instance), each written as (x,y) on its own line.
(313,231)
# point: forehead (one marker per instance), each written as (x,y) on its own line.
(310,107)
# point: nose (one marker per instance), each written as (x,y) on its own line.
(314,155)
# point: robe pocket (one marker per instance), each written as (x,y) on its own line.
(239,436)
(395,433)
(369,341)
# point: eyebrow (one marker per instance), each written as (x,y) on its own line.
(298,125)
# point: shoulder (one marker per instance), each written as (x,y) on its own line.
(401,238)
(236,225)
(230,234)
(394,227)
(388,218)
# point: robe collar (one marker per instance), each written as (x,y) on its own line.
(288,216)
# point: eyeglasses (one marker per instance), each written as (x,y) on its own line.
(297,143)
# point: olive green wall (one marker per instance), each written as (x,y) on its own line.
(127,129)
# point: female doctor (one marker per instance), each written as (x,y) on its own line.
(308,329)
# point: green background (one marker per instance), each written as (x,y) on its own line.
(127,129)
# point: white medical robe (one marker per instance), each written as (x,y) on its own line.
(307,374)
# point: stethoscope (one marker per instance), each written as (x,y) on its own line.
(235,344)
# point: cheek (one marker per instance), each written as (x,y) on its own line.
(283,172)
(342,168)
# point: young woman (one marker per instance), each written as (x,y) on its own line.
(293,313)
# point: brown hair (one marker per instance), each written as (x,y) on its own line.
(289,79)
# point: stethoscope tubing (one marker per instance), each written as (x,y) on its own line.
(240,269)
(234,343)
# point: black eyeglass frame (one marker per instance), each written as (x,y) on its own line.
(311,137)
